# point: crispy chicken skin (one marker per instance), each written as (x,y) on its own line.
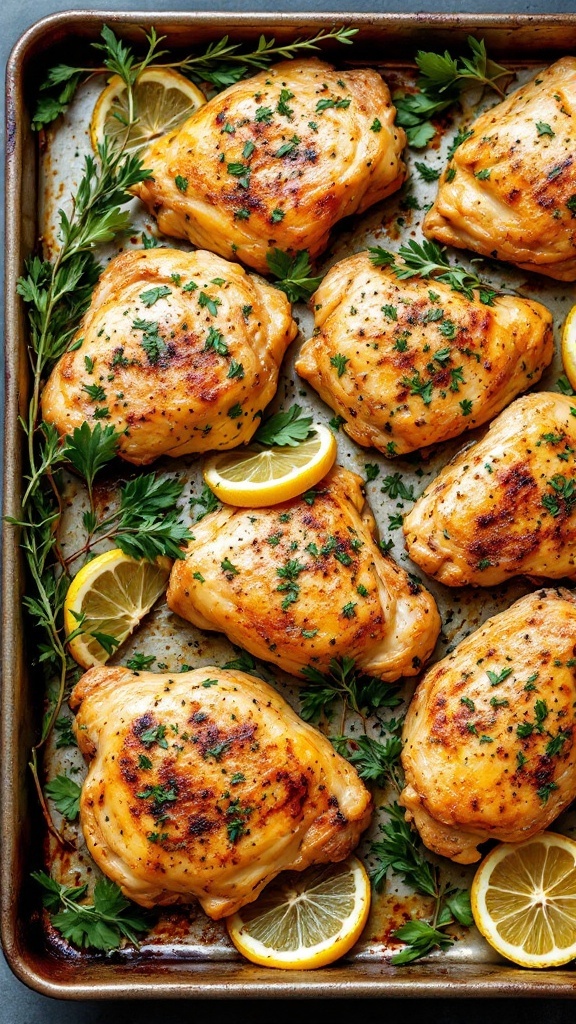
(505,506)
(276,160)
(303,582)
(509,191)
(489,735)
(180,351)
(206,784)
(405,371)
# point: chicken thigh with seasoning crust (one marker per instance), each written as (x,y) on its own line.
(180,351)
(206,784)
(489,735)
(303,582)
(276,160)
(409,363)
(505,506)
(509,190)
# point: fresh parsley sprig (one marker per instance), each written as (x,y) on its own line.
(343,682)
(427,259)
(442,72)
(440,85)
(400,851)
(284,428)
(100,925)
(221,64)
(146,524)
(293,274)
(375,761)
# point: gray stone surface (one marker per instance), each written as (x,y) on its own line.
(19,1005)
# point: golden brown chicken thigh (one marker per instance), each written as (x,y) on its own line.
(303,582)
(509,191)
(206,784)
(489,735)
(179,351)
(410,363)
(276,160)
(506,506)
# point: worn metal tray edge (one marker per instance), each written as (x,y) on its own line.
(140,978)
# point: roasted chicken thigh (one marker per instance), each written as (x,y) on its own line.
(276,160)
(410,363)
(506,506)
(303,582)
(509,191)
(489,735)
(206,784)
(179,351)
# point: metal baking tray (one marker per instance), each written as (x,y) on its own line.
(194,960)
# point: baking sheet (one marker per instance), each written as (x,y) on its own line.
(182,933)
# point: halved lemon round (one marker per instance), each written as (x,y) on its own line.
(568,346)
(113,592)
(163,100)
(304,919)
(252,478)
(524,900)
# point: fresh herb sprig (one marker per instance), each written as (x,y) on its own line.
(400,851)
(100,925)
(284,428)
(441,83)
(427,259)
(66,796)
(343,682)
(221,64)
(146,524)
(56,294)
(293,274)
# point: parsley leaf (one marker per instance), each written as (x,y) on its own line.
(293,273)
(284,428)
(66,796)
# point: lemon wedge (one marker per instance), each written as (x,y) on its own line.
(304,919)
(163,100)
(113,592)
(524,900)
(568,346)
(252,478)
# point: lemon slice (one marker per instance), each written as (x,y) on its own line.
(252,478)
(114,592)
(569,346)
(304,919)
(524,900)
(163,100)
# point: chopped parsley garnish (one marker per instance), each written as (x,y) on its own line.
(339,363)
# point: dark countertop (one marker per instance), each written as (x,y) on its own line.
(19,1005)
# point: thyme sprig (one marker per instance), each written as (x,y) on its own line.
(56,294)
(222,64)
(427,259)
